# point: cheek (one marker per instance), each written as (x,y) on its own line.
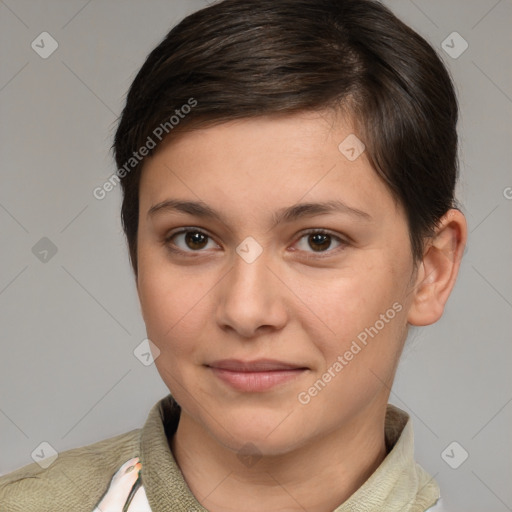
(367,307)
(171,304)
(352,302)
(173,313)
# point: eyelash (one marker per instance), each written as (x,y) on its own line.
(312,254)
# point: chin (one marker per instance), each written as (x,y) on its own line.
(269,431)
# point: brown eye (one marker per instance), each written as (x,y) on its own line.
(189,240)
(319,241)
(196,240)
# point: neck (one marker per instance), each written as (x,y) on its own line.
(319,475)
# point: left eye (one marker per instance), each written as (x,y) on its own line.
(319,241)
(191,240)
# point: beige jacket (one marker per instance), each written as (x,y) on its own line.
(101,476)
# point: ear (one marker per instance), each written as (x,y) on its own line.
(438,270)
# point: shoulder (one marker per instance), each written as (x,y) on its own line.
(438,507)
(76,480)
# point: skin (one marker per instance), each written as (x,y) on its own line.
(297,302)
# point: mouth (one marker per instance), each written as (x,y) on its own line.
(255,376)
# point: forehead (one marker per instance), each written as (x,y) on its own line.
(264,163)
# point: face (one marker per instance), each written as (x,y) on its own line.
(274,276)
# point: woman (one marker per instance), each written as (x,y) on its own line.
(288,171)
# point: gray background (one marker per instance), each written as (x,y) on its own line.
(70,324)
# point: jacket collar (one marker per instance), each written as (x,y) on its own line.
(397,484)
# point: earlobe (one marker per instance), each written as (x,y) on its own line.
(438,270)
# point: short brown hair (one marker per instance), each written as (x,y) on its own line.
(247,58)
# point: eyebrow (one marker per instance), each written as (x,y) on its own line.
(288,214)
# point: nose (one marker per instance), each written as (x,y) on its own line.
(251,299)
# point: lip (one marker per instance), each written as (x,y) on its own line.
(255,376)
